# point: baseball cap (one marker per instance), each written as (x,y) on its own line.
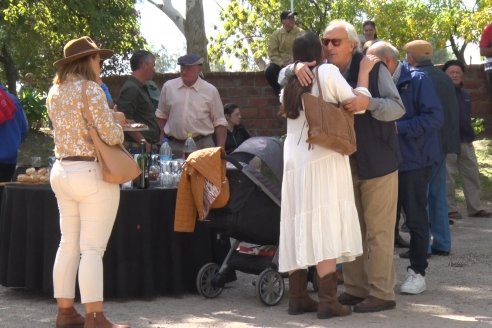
(286,14)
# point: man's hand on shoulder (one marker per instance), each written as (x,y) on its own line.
(304,73)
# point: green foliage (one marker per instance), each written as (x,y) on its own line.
(478,125)
(34,32)
(34,103)
(248,23)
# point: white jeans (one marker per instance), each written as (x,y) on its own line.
(88,207)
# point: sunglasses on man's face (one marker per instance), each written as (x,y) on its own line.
(334,42)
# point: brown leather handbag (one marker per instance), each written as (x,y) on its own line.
(117,164)
(329,125)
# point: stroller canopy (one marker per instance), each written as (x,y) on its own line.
(267,173)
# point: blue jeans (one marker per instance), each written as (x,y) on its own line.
(438,208)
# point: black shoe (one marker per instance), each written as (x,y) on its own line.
(455,215)
(400,242)
(406,255)
(451,222)
(440,253)
(482,214)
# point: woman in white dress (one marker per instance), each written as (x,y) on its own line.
(319,223)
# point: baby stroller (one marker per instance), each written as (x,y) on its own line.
(252,215)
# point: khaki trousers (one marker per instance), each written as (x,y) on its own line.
(373,273)
(466,166)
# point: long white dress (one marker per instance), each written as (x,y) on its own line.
(318,215)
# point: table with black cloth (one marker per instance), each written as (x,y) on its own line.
(144,256)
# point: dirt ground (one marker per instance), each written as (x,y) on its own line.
(459,294)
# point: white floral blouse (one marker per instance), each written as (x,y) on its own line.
(71,135)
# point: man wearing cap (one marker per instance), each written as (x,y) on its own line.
(136,103)
(486,51)
(465,163)
(420,149)
(189,104)
(280,48)
(419,54)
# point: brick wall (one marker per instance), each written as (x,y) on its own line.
(259,106)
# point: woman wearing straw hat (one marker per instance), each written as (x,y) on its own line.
(87,204)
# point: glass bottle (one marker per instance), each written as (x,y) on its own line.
(143,163)
(189,146)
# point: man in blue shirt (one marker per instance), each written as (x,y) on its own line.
(13,130)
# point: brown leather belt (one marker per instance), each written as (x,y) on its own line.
(183,140)
(79,159)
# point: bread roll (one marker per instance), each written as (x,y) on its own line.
(30,171)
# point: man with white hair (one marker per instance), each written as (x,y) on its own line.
(370,279)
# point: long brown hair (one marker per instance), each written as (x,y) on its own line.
(82,67)
(306,48)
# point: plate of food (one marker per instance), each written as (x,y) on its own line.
(134,126)
(41,175)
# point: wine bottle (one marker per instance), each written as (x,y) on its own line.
(143,163)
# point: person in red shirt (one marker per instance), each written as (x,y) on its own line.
(486,50)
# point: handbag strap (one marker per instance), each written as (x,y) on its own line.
(317,81)
(85,110)
(320,97)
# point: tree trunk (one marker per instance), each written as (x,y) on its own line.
(192,27)
(9,69)
(459,52)
(196,39)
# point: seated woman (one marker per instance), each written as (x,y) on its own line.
(236,132)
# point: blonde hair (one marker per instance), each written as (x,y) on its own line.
(82,67)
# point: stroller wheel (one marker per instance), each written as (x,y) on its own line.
(270,287)
(204,281)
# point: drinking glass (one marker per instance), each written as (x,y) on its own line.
(36,162)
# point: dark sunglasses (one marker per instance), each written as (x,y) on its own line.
(334,42)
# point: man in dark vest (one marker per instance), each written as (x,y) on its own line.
(370,279)
(419,54)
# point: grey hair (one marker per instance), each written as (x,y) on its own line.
(349,28)
(384,49)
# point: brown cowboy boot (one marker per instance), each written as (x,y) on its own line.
(69,318)
(98,320)
(328,304)
(299,300)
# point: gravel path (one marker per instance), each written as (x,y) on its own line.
(459,294)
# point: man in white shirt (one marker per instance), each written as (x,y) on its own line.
(189,104)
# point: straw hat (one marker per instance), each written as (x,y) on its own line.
(79,48)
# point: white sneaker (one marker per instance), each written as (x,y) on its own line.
(414,283)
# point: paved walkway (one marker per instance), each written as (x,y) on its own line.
(459,294)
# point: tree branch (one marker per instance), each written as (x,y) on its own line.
(167,8)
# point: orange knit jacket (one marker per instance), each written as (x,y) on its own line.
(201,165)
